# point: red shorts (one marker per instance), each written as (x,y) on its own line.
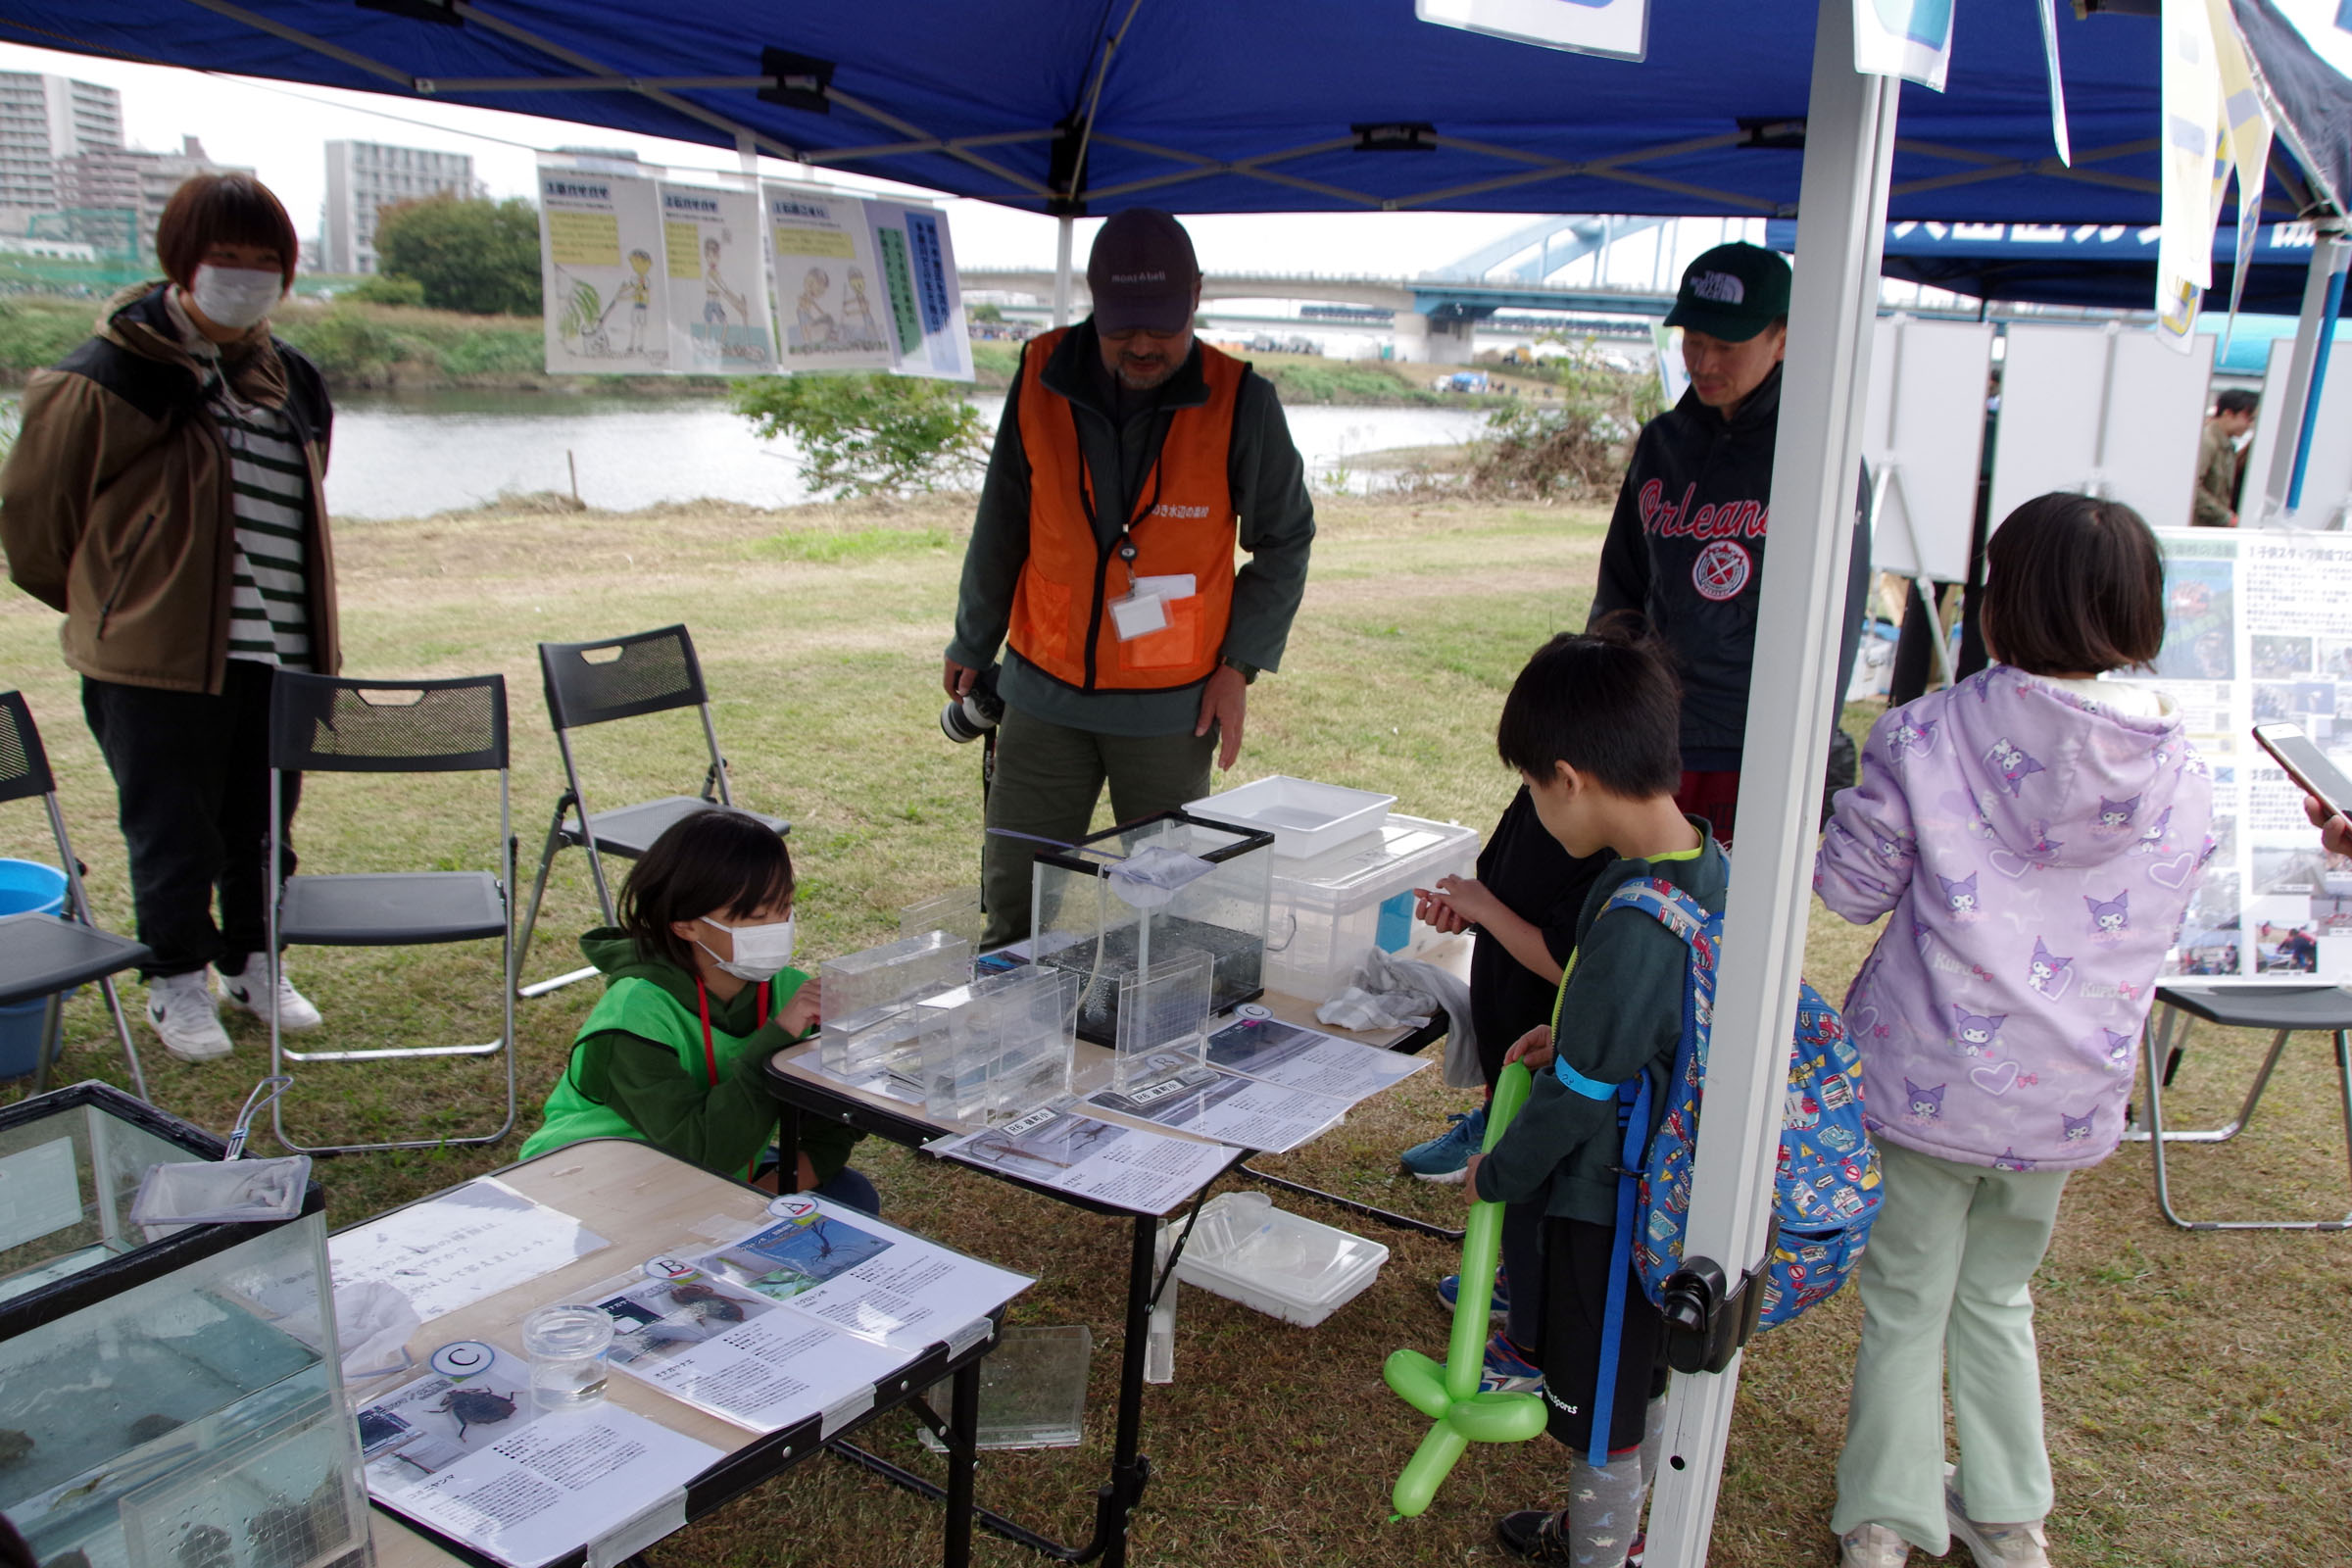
(1713,795)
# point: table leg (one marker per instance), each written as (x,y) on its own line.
(964,1436)
(1130,1470)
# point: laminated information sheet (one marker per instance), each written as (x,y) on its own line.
(1346,1070)
(718,292)
(854,1274)
(830,296)
(1273,1118)
(2258,629)
(1128,1167)
(453,1250)
(465,1452)
(600,253)
(926,300)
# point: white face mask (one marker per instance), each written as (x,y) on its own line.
(761,951)
(236,297)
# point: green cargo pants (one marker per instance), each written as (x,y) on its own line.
(1048,778)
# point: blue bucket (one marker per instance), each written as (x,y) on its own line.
(26,887)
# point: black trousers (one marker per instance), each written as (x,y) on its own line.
(1577,1286)
(192,779)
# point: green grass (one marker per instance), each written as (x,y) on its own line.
(2198,1387)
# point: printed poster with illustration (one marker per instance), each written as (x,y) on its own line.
(917,257)
(717,312)
(829,301)
(601,255)
(2258,629)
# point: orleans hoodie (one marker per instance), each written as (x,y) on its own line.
(2037,846)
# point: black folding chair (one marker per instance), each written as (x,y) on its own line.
(323,724)
(596,683)
(2286,1009)
(43,954)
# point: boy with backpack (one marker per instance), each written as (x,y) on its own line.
(1591,724)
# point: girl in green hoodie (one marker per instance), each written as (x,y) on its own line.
(698,995)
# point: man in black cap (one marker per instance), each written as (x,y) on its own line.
(1130,462)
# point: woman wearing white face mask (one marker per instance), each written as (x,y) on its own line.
(166,495)
(699,992)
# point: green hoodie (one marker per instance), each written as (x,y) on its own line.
(638,1068)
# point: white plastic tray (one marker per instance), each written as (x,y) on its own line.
(1306,818)
(1284,1264)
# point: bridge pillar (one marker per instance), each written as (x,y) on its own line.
(1433,340)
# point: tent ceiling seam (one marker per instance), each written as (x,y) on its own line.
(296,37)
(883,117)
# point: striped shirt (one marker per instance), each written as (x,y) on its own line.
(270,479)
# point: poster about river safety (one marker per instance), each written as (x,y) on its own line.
(2258,630)
(829,298)
(926,303)
(601,257)
(716,313)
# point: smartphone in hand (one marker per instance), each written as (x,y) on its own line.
(2307,766)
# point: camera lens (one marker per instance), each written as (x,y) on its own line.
(957,725)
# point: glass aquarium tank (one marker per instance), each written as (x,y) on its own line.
(165,1399)
(1115,903)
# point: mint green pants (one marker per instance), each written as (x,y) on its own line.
(1944,1291)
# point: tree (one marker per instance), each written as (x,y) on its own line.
(478,257)
(866,435)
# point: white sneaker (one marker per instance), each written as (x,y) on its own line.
(180,1007)
(243,991)
(2018,1545)
(1871,1546)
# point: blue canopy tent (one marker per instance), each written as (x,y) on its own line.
(1323,105)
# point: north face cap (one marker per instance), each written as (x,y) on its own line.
(1732,292)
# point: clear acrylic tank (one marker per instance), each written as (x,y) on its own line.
(1087,909)
(164,1402)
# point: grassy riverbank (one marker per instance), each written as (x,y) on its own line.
(2199,1386)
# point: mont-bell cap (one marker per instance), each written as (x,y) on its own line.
(1732,292)
(1141,272)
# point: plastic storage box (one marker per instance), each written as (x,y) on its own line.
(1284,1264)
(1083,911)
(1329,911)
(1306,818)
(169,1394)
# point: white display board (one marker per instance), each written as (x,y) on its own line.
(602,266)
(830,301)
(2104,412)
(1924,431)
(2258,629)
(718,293)
(2327,474)
(926,300)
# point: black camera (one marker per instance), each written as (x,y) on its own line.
(976,711)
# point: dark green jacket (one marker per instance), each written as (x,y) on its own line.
(1620,1014)
(726,1127)
(1121,436)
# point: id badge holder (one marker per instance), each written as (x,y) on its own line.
(1137,614)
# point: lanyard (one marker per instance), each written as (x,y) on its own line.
(701,1001)
(1126,546)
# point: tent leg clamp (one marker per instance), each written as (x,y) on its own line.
(1709,1319)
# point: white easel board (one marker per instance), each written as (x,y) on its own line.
(2108,414)
(1925,429)
(2328,475)
(2258,629)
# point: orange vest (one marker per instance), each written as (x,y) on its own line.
(1183,522)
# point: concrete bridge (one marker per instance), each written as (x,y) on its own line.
(1435,317)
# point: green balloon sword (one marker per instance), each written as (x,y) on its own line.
(1448,1394)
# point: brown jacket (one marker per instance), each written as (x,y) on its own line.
(114,504)
(2217,478)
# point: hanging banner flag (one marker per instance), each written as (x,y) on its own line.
(716,301)
(2192,105)
(925,300)
(1907,39)
(829,302)
(601,270)
(2246,138)
(1617,29)
(2050,61)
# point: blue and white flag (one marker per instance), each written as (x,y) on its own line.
(1907,39)
(1618,29)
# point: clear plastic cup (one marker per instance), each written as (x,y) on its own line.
(569,1347)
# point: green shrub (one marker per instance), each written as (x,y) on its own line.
(35,332)
(347,342)
(495,351)
(385,289)
(862,435)
(1571,450)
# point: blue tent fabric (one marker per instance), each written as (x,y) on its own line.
(2309,92)
(1229,105)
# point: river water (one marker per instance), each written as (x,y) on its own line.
(405,457)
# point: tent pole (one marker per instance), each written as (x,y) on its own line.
(2328,255)
(1062,272)
(2322,342)
(1849,151)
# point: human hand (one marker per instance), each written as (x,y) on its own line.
(956,680)
(805,1010)
(2336,832)
(1533,1049)
(1223,703)
(1469,898)
(1432,910)
(1470,1178)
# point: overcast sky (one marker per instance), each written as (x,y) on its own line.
(281,132)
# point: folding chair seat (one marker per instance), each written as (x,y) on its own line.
(2285,1010)
(324,725)
(596,683)
(45,955)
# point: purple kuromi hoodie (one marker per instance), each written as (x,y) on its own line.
(2037,848)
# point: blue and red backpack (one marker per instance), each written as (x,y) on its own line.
(1825,1191)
